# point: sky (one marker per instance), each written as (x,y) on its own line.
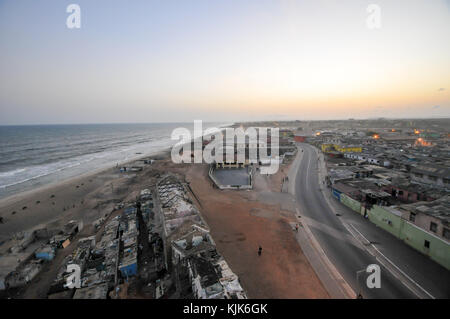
(222,61)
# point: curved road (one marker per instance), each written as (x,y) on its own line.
(339,244)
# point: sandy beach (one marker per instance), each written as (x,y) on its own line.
(86,198)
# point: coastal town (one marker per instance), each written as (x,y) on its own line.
(150,229)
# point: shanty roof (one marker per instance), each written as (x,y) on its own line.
(205,269)
(439,208)
(193,242)
(433,170)
(94,292)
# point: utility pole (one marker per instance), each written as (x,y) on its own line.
(358,276)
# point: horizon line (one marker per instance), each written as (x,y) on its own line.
(236,121)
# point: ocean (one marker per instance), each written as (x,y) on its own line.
(35,155)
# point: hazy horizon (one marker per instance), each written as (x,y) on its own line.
(222,61)
(239,121)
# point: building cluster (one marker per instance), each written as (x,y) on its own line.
(127,254)
(199,271)
(23,257)
(149,248)
(96,262)
(244,147)
(398,178)
(138,251)
(238,173)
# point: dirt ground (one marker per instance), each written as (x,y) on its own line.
(240,224)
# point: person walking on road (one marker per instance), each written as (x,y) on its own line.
(296,227)
(259,251)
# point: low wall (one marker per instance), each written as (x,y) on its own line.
(336,194)
(351,203)
(414,236)
(220,186)
(386,220)
(439,249)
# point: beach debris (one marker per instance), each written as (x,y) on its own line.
(66,243)
(23,274)
(24,207)
(42,233)
(1,220)
(24,238)
(38,202)
(46,252)
(118,206)
(52,196)
(13,213)
(98,222)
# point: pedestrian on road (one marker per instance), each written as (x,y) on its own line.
(296,227)
(259,251)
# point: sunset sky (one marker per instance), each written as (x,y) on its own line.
(222,60)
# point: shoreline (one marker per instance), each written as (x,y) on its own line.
(49,179)
(81,196)
(85,197)
(10,198)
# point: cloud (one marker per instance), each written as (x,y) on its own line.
(441,89)
(436,106)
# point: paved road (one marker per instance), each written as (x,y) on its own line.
(426,279)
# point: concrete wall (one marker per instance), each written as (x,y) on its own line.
(351,203)
(336,194)
(412,235)
(220,186)
(386,220)
(383,217)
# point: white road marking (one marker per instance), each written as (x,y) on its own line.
(307,169)
(341,283)
(329,266)
(396,267)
